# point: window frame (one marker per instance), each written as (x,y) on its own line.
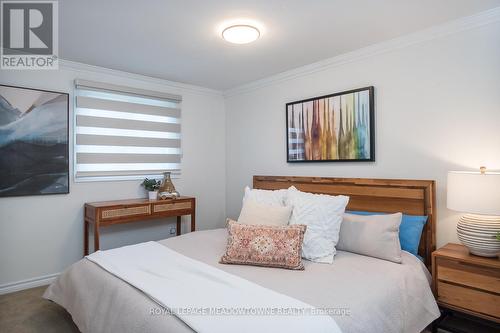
(175,174)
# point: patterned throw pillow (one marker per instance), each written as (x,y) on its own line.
(263,245)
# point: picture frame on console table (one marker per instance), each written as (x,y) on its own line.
(339,127)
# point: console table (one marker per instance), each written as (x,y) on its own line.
(105,213)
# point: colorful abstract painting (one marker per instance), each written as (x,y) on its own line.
(337,127)
(34,157)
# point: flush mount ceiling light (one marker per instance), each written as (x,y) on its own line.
(240,34)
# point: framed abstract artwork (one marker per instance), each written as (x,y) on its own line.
(333,128)
(33,142)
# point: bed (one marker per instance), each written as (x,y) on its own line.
(371,295)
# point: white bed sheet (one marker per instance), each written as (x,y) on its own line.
(370,295)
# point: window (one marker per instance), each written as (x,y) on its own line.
(125,133)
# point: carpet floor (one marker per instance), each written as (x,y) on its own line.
(27,312)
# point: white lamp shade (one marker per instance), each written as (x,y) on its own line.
(473,192)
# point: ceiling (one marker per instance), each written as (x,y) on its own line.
(179,40)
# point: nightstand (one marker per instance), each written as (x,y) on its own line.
(466,283)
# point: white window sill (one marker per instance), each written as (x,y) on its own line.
(121,178)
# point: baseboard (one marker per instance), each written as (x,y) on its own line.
(27,284)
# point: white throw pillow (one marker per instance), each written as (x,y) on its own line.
(254,212)
(372,235)
(268,197)
(323,215)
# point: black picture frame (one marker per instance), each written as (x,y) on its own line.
(37,190)
(370,115)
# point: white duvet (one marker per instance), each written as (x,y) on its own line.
(380,296)
(208,299)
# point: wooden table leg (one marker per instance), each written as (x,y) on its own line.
(85,238)
(193,216)
(96,236)
(179,218)
(193,221)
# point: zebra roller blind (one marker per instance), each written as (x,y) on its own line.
(123,132)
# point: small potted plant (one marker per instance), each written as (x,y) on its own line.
(151,185)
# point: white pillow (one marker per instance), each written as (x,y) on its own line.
(268,197)
(372,235)
(258,213)
(323,215)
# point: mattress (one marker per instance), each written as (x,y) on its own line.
(363,294)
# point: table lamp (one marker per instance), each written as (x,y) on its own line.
(478,195)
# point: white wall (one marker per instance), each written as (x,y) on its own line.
(437,108)
(42,235)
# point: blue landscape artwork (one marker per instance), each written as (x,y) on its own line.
(34,156)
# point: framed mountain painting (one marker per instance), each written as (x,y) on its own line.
(33,142)
(333,128)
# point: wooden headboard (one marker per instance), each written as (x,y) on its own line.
(414,197)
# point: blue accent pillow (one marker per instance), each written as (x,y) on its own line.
(410,230)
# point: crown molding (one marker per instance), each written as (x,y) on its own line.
(442,30)
(81,67)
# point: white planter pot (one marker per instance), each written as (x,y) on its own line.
(153,195)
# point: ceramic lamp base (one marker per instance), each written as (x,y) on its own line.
(477,233)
